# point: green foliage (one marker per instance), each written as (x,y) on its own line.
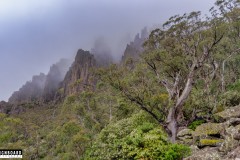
(230,98)
(123,121)
(11,130)
(70,99)
(196,123)
(235,86)
(66,140)
(139,87)
(199,105)
(137,137)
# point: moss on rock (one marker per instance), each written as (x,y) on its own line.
(207,129)
(233,112)
(210,142)
(185,132)
(208,153)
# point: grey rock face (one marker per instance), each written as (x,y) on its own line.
(80,75)
(31,91)
(135,47)
(54,77)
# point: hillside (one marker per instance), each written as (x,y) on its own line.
(175,95)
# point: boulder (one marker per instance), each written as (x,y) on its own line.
(237,137)
(233,112)
(208,153)
(217,141)
(230,142)
(185,132)
(233,155)
(209,129)
(233,122)
(209,134)
(185,136)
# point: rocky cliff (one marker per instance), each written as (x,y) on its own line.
(12,109)
(4,107)
(54,77)
(135,47)
(42,87)
(79,76)
(31,91)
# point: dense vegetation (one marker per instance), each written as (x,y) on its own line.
(188,71)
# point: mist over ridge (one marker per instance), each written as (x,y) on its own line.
(35,35)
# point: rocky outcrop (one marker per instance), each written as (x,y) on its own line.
(215,140)
(42,87)
(185,136)
(208,153)
(135,47)
(229,113)
(4,107)
(80,75)
(54,77)
(8,108)
(31,91)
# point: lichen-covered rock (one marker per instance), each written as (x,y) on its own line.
(185,132)
(237,137)
(206,154)
(185,136)
(233,155)
(194,149)
(210,142)
(208,129)
(233,112)
(233,122)
(218,141)
(229,140)
(233,130)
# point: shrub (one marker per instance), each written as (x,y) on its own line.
(137,137)
(196,123)
(230,98)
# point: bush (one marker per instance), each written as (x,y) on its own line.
(230,99)
(137,137)
(196,123)
(235,86)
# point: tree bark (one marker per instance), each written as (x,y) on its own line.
(177,108)
(222,76)
(172,124)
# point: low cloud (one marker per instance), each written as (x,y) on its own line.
(35,34)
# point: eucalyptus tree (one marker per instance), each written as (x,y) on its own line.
(176,57)
(177,54)
(227,15)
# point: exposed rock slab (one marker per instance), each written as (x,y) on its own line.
(209,129)
(206,154)
(233,112)
(80,74)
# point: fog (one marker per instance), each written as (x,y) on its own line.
(34,34)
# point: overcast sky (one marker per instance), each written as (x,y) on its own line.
(36,33)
